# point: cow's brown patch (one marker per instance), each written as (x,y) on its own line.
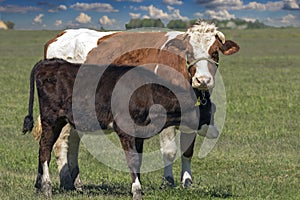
(116,45)
(51,41)
(105,37)
(151,57)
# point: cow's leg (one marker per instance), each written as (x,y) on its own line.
(74,141)
(61,148)
(48,138)
(187,142)
(133,150)
(169,150)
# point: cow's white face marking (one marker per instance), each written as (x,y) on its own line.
(202,37)
(171,35)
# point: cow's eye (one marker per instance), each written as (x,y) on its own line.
(215,56)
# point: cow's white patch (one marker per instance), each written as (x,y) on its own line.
(110,125)
(156,69)
(136,186)
(168,149)
(171,35)
(45,176)
(186,176)
(186,168)
(61,149)
(75,44)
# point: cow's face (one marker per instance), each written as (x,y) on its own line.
(206,44)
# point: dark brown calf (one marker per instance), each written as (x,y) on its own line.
(60,101)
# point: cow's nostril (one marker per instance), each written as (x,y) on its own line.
(208,80)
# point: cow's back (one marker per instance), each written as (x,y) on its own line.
(113,47)
(73,45)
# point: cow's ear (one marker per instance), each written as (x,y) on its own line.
(229,47)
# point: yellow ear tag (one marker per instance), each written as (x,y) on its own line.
(198,103)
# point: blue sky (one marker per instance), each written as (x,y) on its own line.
(114,14)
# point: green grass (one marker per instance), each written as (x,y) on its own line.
(256,157)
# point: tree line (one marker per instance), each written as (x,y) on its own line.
(180,24)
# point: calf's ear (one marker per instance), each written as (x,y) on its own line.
(229,47)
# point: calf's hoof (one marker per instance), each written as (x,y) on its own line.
(167,182)
(47,190)
(187,183)
(137,195)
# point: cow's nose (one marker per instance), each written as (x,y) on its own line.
(203,80)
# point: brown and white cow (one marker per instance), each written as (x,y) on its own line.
(198,46)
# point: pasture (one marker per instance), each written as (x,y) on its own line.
(256,157)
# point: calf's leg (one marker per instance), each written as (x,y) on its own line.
(133,148)
(74,141)
(61,152)
(48,138)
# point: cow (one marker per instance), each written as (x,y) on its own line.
(197,48)
(60,97)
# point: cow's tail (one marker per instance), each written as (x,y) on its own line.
(28,120)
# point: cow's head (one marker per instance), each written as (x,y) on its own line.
(202,58)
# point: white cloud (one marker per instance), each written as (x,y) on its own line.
(288,19)
(217,4)
(98,7)
(154,12)
(83,18)
(198,14)
(219,15)
(247,19)
(106,21)
(172,2)
(136,1)
(58,22)
(135,15)
(239,5)
(291,4)
(170,8)
(38,19)
(58,8)
(273,6)
(18,9)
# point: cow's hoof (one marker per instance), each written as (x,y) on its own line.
(187,183)
(47,190)
(78,184)
(167,182)
(137,195)
(212,132)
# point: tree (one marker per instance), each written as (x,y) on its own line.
(9,24)
(177,24)
(138,23)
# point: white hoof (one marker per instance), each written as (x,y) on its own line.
(137,195)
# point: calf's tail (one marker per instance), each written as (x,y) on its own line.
(28,120)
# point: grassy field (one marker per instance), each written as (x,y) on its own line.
(256,157)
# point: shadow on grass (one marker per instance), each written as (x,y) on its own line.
(196,191)
(217,191)
(106,189)
(123,191)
